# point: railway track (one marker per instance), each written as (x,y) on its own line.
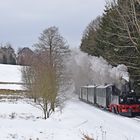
(137,118)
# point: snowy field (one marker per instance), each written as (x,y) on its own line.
(21,120)
(10,73)
(10,77)
(11,86)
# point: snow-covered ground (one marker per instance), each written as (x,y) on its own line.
(10,77)
(20,120)
(11,86)
(10,73)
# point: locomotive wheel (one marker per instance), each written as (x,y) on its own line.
(130,112)
(117,112)
(113,110)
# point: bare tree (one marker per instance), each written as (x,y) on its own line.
(47,70)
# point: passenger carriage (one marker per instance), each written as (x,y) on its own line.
(112,99)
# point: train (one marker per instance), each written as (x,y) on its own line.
(124,102)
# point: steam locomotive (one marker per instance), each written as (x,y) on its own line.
(124,102)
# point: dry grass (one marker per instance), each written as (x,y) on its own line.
(87,137)
(12,83)
(8,91)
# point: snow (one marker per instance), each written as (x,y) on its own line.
(10,73)
(11,77)
(104,86)
(74,120)
(22,120)
(90,86)
(11,86)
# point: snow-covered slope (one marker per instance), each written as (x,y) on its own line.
(21,121)
(10,73)
(12,86)
(10,77)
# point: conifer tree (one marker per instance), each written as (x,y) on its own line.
(118,36)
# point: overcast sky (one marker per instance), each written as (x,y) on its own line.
(22,21)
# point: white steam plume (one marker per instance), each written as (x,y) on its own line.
(88,70)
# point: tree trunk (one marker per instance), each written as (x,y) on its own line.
(45,111)
(45,114)
(35,100)
(52,106)
(48,114)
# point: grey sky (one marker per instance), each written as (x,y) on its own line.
(22,21)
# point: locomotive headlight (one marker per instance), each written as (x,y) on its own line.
(121,100)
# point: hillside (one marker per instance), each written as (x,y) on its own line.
(10,77)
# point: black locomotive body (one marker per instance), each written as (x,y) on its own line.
(124,102)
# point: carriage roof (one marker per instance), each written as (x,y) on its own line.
(104,86)
(89,86)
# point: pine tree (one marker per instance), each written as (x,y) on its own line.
(4,59)
(118,36)
(88,42)
(12,60)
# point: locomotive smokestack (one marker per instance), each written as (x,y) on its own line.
(126,78)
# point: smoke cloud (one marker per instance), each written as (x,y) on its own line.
(89,70)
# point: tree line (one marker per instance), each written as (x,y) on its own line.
(116,36)
(8,55)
